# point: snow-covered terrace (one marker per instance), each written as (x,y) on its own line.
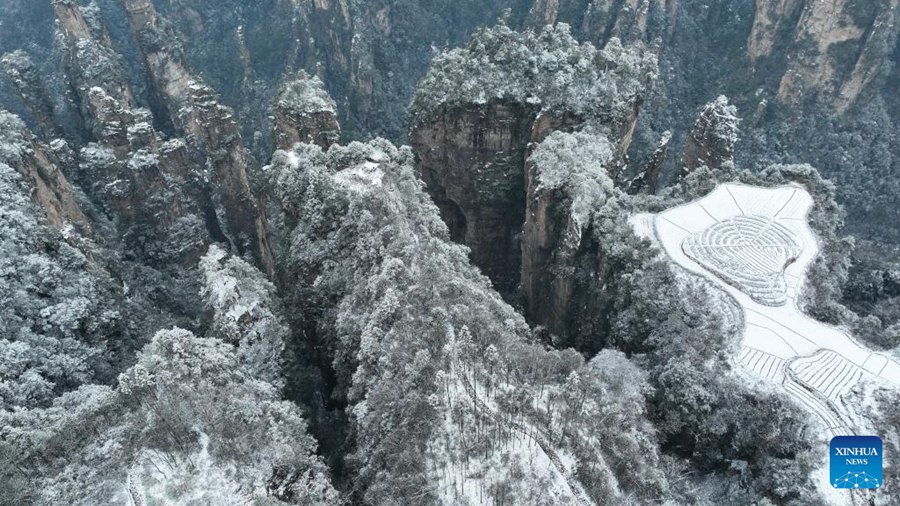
(756,244)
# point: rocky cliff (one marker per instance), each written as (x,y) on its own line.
(91,62)
(712,139)
(794,49)
(148,186)
(471,160)
(482,108)
(168,197)
(38,166)
(836,48)
(304,112)
(829,51)
(563,262)
(26,79)
(522,151)
(648,179)
(815,72)
(209,126)
(370,55)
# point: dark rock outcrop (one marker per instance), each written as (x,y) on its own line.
(26,79)
(648,180)
(91,62)
(155,200)
(831,51)
(471,160)
(712,139)
(835,47)
(151,187)
(564,267)
(630,20)
(38,165)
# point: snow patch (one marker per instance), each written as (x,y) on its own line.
(361,178)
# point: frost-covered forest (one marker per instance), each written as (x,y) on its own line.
(329,252)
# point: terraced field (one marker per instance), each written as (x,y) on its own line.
(756,245)
(810,399)
(770,367)
(749,252)
(827,372)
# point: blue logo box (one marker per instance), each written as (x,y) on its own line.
(856,462)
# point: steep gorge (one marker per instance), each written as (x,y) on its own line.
(474,138)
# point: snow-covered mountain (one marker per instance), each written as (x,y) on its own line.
(600,272)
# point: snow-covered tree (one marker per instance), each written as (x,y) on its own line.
(58,308)
(186,425)
(713,137)
(548,69)
(246,312)
(439,373)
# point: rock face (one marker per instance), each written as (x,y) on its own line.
(833,44)
(150,187)
(304,112)
(809,70)
(628,20)
(523,171)
(37,164)
(771,20)
(471,160)
(369,54)
(91,62)
(158,188)
(543,12)
(648,180)
(792,48)
(562,262)
(829,51)
(712,139)
(471,150)
(26,79)
(194,109)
